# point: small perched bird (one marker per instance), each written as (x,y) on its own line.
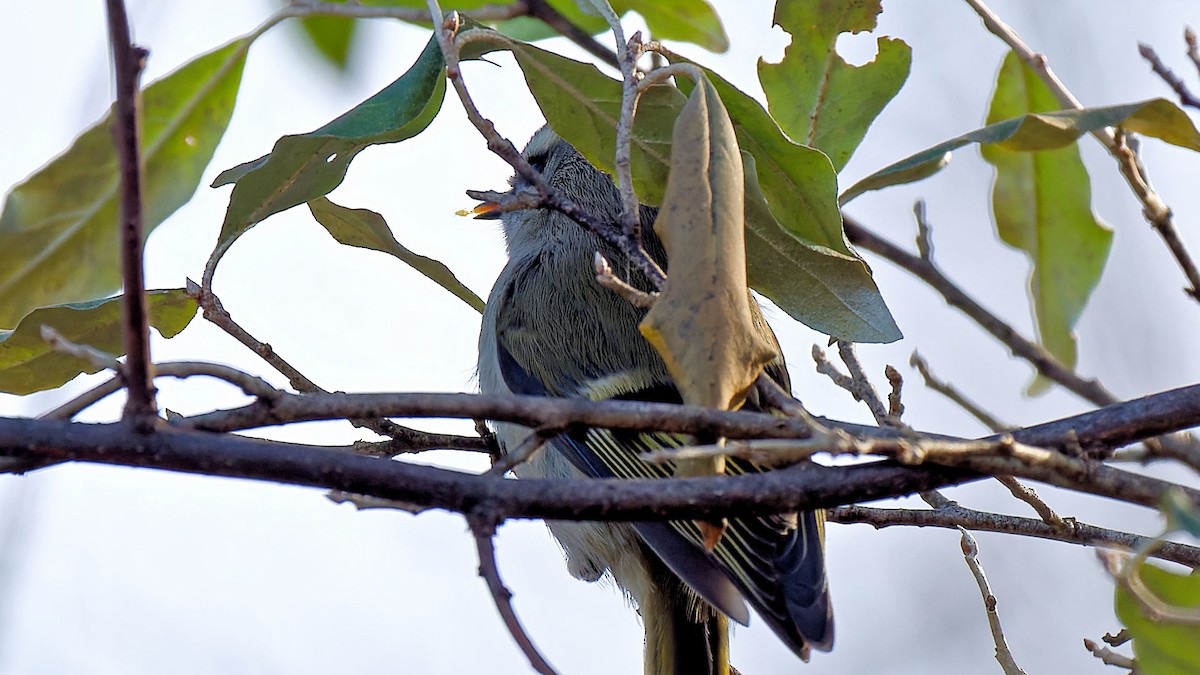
(550,329)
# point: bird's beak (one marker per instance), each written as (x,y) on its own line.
(485,211)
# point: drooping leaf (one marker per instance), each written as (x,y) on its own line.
(1163,646)
(331,36)
(701,322)
(366,229)
(814,95)
(28,364)
(1157,118)
(58,229)
(1042,205)
(583,105)
(826,291)
(306,166)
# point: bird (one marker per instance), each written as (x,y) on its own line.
(550,329)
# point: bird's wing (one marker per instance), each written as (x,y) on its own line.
(776,561)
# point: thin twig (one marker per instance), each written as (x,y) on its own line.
(128,63)
(1122,636)
(548,196)
(1027,495)
(1108,657)
(608,279)
(1003,654)
(523,452)
(403,439)
(1155,210)
(1168,76)
(484,531)
(1045,362)
(95,357)
(540,9)
(895,401)
(249,384)
(1189,37)
(956,516)
(951,392)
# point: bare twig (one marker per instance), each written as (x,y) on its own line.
(1027,495)
(1189,37)
(1122,636)
(608,279)
(1044,361)
(1076,532)
(549,197)
(96,357)
(1108,657)
(895,403)
(1003,654)
(540,9)
(484,530)
(951,392)
(403,439)
(924,232)
(1155,210)
(128,62)
(1168,76)
(523,452)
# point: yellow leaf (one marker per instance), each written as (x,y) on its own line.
(701,323)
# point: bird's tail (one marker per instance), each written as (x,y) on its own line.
(684,635)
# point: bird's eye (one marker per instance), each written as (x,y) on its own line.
(538,162)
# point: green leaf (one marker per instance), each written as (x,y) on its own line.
(583,104)
(814,95)
(1157,118)
(799,182)
(826,291)
(28,364)
(692,21)
(1180,512)
(58,229)
(1162,646)
(1042,205)
(306,166)
(331,36)
(366,229)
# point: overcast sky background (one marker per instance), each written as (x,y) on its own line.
(107,570)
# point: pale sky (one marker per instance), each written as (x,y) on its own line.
(123,571)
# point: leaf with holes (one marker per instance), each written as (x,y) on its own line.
(814,95)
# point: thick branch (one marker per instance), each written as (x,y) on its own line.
(788,489)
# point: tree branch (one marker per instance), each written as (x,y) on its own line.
(128,62)
(980,521)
